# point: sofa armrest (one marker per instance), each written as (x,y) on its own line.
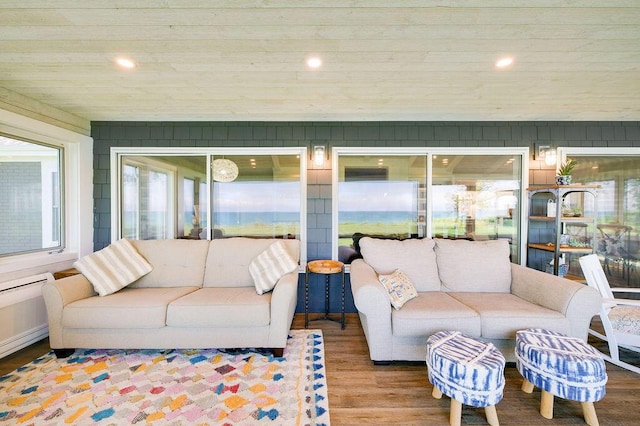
(283,306)
(374,307)
(59,293)
(369,295)
(578,302)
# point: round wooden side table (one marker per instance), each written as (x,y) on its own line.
(326,268)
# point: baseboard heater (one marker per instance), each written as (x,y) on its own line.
(22,312)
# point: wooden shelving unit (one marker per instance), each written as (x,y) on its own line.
(568,249)
(559,194)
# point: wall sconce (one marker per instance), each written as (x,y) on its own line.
(548,154)
(318,155)
(550,157)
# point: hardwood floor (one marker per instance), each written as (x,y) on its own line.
(361,393)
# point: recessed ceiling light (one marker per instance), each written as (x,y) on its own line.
(504,62)
(125,63)
(314,62)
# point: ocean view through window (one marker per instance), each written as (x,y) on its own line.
(166,193)
(439,193)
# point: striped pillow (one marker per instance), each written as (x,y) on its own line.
(271,265)
(114,267)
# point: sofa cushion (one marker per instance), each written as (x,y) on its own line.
(503,314)
(399,288)
(127,309)
(271,265)
(221,307)
(227,263)
(175,263)
(114,267)
(434,311)
(482,266)
(414,257)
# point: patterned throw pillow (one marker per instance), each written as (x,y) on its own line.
(399,287)
(114,267)
(625,319)
(271,265)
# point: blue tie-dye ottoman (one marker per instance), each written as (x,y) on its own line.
(467,370)
(563,366)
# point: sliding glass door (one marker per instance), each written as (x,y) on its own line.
(147,199)
(381,195)
(190,194)
(476,197)
(617,172)
(263,201)
(415,193)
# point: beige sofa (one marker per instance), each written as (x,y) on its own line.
(462,285)
(199,294)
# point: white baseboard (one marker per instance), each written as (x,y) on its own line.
(22,340)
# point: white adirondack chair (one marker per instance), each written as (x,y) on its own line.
(620,317)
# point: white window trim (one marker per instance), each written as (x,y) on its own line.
(336,152)
(565,151)
(77,172)
(118,152)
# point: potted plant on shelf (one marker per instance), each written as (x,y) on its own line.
(563,177)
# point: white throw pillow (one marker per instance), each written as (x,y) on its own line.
(399,287)
(271,265)
(114,267)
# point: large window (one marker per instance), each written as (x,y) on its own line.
(380,195)
(263,201)
(617,172)
(476,196)
(31,217)
(443,193)
(166,194)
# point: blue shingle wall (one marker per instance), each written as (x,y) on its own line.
(343,134)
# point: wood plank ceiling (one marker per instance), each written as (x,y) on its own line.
(245,60)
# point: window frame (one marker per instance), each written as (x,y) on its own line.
(76,184)
(429,152)
(117,153)
(54,196)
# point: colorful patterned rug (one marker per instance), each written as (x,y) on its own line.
(172,387)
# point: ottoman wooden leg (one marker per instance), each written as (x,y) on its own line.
(436,393)
(589,412)
(455,415)
(492,415)
(527,386)
(546,405)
